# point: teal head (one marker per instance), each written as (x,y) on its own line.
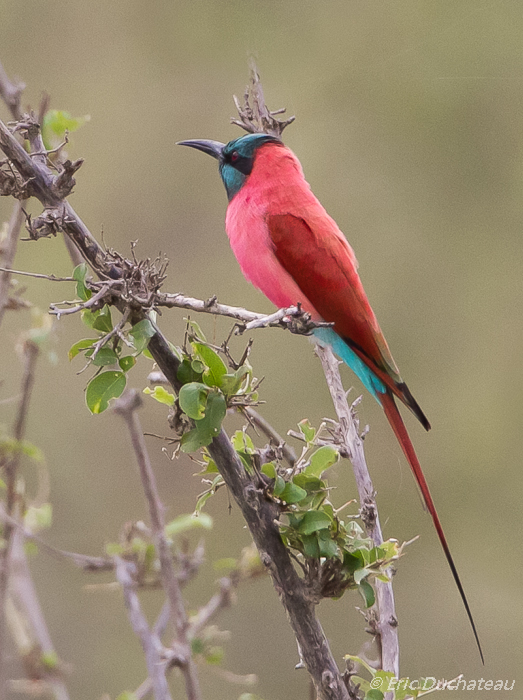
(236,159)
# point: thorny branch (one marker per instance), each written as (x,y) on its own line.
(382,619)
(254,116)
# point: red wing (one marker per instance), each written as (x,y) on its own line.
(323,266)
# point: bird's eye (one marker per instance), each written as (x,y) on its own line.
(234,156)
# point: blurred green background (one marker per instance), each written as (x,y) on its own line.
(409,129)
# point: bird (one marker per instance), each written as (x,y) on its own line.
(289,247)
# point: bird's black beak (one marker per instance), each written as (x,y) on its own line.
(212,148)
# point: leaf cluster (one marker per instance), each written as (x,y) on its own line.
(333,552)
(384,682)
(209,389)
(106,351)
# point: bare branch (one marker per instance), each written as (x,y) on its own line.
(152,647)
(353,447)
(254,116)
(127,407)
(8,252)
(37,275)
(11,93)
(82,561)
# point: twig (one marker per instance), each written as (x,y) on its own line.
(37,275)
(8,253)
(82,561)
(11,93)
(350,439)
(152,647)
(127,407)
(271,433)
(75,306)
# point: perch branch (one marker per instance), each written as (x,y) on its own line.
(387,624)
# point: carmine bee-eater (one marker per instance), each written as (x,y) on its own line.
(293,251)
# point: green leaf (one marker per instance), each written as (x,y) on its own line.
(311,547)
(103,321)
(127,695)
(279,485)
(312,521)
(204,497)
(9,446)
(214,410)
(193,399)
(58,121)
(292,493)
(141,333)
(214,414)
(310,483)
(230,384)
(375,694)
(186,373)
(197,366)
(352,561)
(160,395)
(269,469)
(328,547)
(242,442)
(79,274)
(183,523)
(195,327)
(211,468)
(323,458)
(89,317)
(193,440)
(81,345)
(105,356)
(216,368)
(127,362)
(367,593)
(307,430)
(102,388)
